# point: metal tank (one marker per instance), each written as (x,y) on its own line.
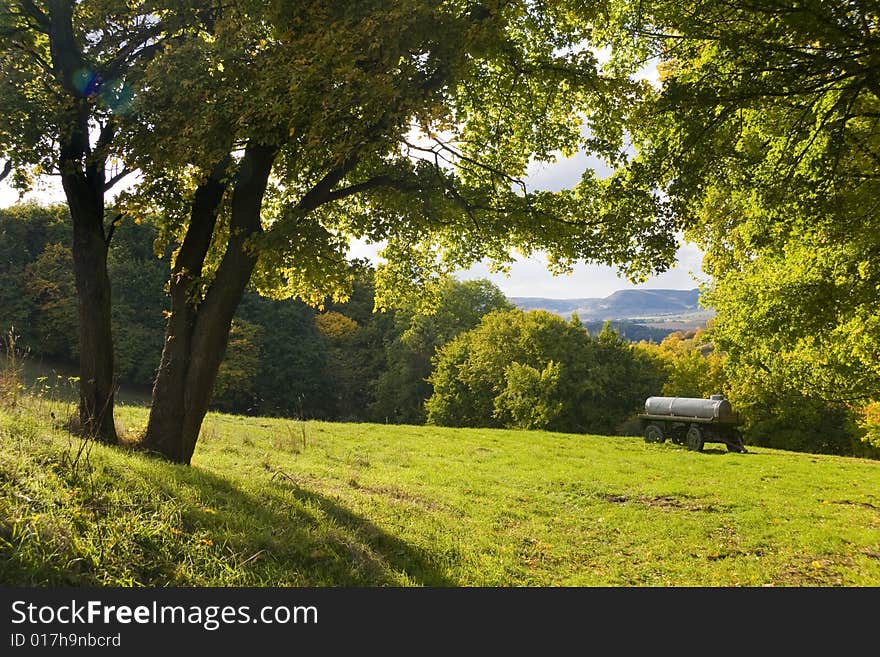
(691,421)
(715,408)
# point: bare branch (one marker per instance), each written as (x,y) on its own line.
(112,228)
(116,178)
(442,146)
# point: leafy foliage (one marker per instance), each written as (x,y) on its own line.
(404,386)
(869,423)
(763,138)
(49,283)
(536,370)
(290,378)
(235,387)
(25,230)
(530,399)
(692,365)
(279,362)
(138,278)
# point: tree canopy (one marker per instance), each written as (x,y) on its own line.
(762,141)
(409,123)
(269,135)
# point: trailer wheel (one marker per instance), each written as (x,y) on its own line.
(694,438)
(736,443)
(654,434)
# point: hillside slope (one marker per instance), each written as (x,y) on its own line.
(278,502)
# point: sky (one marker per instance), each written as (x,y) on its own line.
(529,277)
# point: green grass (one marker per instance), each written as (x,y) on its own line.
(280,502)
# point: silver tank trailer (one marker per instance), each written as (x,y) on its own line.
(692,422)
(715,408)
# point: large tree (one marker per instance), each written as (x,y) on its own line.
(69,71)
(764,136)
(279,130)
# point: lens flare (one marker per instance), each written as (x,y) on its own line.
(86,82)
(117,96)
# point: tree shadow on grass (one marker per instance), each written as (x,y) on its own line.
(179,526)
(714,450)
(287,534)
(415,562)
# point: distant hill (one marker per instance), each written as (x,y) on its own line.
(623,304)
(636,314)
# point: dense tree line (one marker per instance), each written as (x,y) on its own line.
(285,358)
(38,295)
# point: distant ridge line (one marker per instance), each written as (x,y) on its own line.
(625,305)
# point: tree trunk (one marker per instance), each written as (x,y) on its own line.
(82,176)
(97,384)
(198,330)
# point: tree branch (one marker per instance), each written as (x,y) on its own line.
(63,48)
(444,147)
(115,179)
(372,183)
(137,48)
(31,10)
(112,228)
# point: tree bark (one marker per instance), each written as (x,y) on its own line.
(83,179)
(97,385)
(198,328)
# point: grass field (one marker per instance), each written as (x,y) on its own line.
(281,502)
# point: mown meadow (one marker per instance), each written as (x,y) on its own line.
(272,502)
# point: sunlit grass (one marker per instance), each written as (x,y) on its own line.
(282,502)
